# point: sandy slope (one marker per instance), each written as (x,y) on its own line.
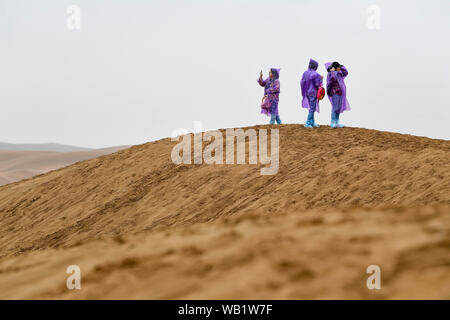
(140,226)
(16,165)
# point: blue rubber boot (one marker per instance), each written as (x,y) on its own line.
(272,119)
(278,119)
(339,125)
(310,121)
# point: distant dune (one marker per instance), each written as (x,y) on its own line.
(16,165)
(51,147)
(140,226)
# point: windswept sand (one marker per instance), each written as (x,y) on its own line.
(141,227)
(16,165)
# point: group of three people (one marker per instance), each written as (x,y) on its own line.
(310,84)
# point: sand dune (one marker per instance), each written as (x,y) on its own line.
(16,165)
(140,226)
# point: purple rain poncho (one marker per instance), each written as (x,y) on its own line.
(310,84)
(272,91)
(335,79)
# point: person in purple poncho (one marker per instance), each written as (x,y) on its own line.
(337,91)
(310,84)
(271,94)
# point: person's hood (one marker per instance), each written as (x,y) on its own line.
(276,73)
(327,65)
(313,64)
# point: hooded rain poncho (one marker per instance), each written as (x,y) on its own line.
(272,91)
(336,79)
(310,84)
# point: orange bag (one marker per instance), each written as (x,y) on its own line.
(320,93)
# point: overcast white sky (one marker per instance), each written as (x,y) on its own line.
(139,69)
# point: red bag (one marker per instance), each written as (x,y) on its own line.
(320,93)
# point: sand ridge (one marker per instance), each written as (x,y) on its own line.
(349,196)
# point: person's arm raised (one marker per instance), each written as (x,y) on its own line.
(344,71)
(260,80)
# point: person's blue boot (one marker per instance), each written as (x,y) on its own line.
(333,124)
(315,125)
(309,123)
(339,125)
(272,119)
(310,120)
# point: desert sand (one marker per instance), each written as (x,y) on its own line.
(142,227)
(16,165)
